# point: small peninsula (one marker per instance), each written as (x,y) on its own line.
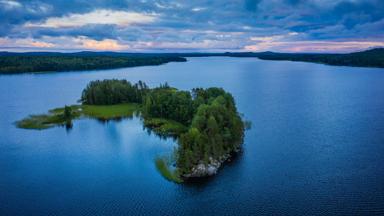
(205,122)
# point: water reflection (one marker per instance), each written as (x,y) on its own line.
(315,148)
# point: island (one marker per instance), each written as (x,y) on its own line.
(205,122)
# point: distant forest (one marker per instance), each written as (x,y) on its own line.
(45,63)
(52,61)
(370,58)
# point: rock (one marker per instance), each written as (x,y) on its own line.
(203,170)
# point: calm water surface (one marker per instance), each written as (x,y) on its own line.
(316,146)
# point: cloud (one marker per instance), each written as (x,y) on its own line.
(10,4)
(227,25)
(273,37)
(41,44)
(106,44)
(104,17)
(197,9)
(27,42)
(212,45)
(314,46)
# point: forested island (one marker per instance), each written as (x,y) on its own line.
(205,122)
(12,63)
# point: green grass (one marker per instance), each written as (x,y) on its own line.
(110,111)
(163,168)
(164,126)
(55,116)
(40,122)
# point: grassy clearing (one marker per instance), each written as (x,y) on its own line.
(164,126)
(104,112)
(163,167)
(55,116)
(111,111)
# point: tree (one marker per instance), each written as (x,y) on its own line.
(68,116)
(67,112)
(113,91)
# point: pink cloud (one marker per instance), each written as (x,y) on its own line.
(41,44)
(313,46)
(106,44)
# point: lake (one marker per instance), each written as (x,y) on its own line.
(316,144)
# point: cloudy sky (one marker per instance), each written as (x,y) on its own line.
(198,25)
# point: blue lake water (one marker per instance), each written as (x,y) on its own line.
(316,146)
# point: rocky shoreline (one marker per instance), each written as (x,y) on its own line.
(204,170)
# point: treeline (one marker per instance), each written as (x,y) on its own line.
(215,128)
(29,63)
(370,58)
(108,92)
(169,103)
(45,61)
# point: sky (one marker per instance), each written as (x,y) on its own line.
(338,26)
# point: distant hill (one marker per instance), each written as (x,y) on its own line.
(55,61)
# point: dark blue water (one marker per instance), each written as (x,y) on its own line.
(316,146)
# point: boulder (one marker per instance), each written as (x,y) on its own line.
(203,170)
